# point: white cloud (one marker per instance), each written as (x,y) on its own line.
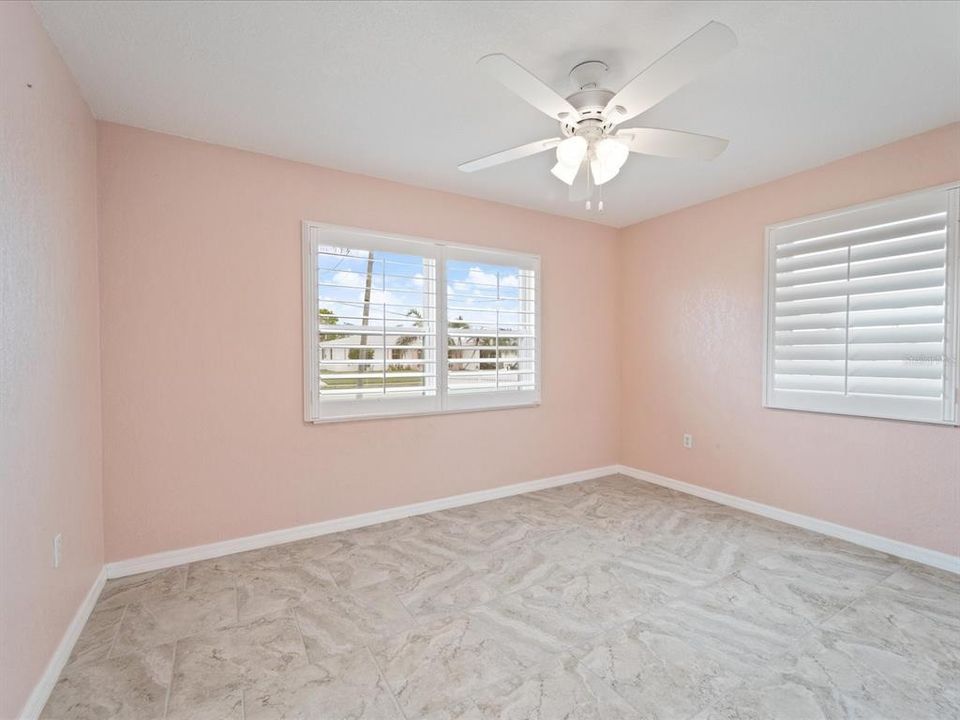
(476,275)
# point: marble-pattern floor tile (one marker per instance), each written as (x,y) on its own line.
(224,572)
(566,610)
(652,519)
(611,598)
(840,559)
(655,576)
(130,687)
(443,589)
(338,622)
(462,710)
(167,619)
(927,590)
(758,533)
(340,687)
(228,707)
(823,680)
(793,583)
(734,623)
(434,665)
(513,568)
(123,591)
(271,590)
(379,562)
(563,688)
(303,556)
(219,662)
(96,639)
(661,675)
(581,546)
(389,532)
(882,630)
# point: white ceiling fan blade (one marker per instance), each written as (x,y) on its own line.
(672,143)
(507,155)
(671,72)
(529,87)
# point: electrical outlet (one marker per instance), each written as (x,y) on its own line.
(687,440)
(57,549)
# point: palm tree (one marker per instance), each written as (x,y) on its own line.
(405,340)
(365,319)
(458,342)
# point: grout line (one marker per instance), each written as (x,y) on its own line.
(296,621)
(798,641)
(116,633)
(393,695)
(173,665)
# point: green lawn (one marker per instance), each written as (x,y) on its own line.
(332,381)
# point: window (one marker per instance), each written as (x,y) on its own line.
(397,326)
(861,310)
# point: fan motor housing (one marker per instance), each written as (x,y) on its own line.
(590,99)
(590,104)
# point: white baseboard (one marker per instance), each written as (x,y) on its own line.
(159,561)
(171,558)
(41,691)
(934,558)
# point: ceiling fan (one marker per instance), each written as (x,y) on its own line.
(592,148)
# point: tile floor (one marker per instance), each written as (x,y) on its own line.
(607,600)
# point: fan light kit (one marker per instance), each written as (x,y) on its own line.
(592,148)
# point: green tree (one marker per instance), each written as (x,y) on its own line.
(411,339)
(405,341)
(457,344)
(327,317)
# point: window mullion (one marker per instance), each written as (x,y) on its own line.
(846,332)
(440,295)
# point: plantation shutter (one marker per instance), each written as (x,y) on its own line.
(491,328)
(862,311)
(400,326)
(371,335)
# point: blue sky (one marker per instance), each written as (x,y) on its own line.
(476,290)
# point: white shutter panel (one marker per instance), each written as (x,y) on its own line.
(492,328)
(370,321)
(862,311)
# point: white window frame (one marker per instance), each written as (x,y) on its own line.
(318,410)
(866,407)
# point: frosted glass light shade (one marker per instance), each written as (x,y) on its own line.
(571,151)
(608,157)
(566,173)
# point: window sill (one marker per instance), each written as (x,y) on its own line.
(864,415)
(421,413)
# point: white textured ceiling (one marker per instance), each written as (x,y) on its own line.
(391,89)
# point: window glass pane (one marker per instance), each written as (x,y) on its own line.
(491,327)
(377,328)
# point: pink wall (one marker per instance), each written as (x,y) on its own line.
(50,478)
(200,322)
(692,285)
(204,437)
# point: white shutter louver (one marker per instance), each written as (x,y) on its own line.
(862,312)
